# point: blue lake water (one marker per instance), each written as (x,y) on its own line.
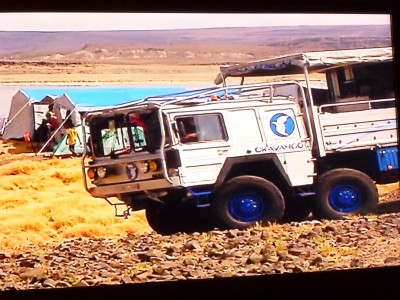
(92,95)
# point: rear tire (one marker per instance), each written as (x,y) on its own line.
(245,200)
(342,192)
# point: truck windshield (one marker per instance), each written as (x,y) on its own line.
(123,133)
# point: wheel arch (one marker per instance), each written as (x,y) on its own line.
(266,166)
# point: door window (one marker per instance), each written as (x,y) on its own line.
(201,128)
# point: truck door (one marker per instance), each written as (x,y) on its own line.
(286,135)
(203,147)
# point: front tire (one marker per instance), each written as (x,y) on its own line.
(167,219)
(163,218)
(245,200)
(342,192)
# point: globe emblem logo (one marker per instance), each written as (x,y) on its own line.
(282,125)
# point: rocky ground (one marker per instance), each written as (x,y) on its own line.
(314,245)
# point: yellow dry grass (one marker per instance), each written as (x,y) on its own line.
(44,201)
(387,188)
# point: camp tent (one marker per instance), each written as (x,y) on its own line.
(3,121)
(28,106)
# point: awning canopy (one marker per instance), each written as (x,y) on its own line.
(294,63)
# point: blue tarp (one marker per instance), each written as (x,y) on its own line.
(98,97)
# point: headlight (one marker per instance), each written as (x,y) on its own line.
(144,167)
(90,173)
(153,165)
(101,172)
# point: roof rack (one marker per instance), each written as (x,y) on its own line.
(263,90)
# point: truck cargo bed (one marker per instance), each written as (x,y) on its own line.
(353,130)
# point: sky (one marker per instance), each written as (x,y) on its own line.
(151,21)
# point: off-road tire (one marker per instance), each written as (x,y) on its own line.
(245,200)
(342,192)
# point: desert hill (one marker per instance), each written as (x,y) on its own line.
(187,46)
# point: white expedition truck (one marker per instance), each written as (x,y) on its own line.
(232,156)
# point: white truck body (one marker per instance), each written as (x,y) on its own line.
(253,152)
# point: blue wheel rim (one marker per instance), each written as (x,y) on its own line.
(247,206)
(345,198)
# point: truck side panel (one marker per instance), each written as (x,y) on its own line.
(356,130)
(201,165)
